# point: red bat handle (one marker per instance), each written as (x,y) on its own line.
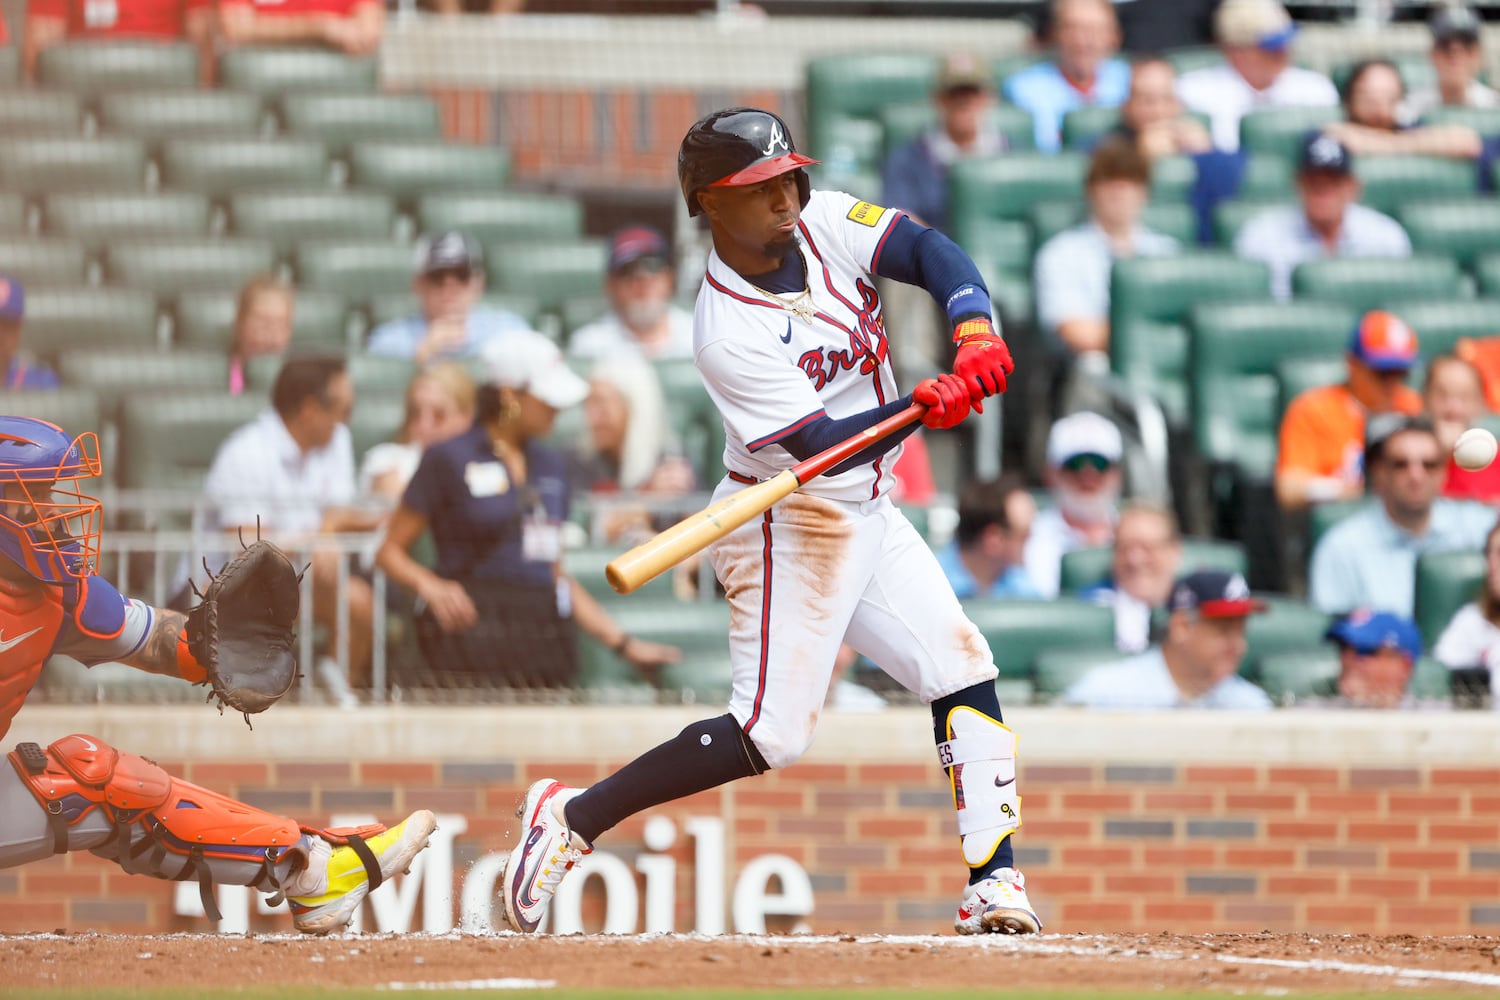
(844,450)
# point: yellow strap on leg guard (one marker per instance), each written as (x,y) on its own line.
(980,755)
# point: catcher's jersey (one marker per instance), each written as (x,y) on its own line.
(775,363)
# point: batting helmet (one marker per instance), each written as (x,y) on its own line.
(48,526)
(735,147)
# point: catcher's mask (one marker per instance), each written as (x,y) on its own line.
(48,525)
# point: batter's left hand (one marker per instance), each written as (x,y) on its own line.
(983,360)
(946,399)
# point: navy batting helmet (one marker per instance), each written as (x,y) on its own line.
(48,526)
(735,147)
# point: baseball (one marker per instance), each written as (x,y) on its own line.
(1475,449)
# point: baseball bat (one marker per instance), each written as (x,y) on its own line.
(660,553)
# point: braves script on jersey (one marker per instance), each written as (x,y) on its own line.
(773,364)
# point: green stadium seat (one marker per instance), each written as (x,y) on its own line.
(1280,131)
(63,320)
(1150,301)
(12,212)
(863,184)
(501,215)
(1004,244)
(1230,216)
(1441,323)
(1083,568)
(981,191)
(1463,229)
(1287,624)
(1485,121)
(339,119)
(109,67)
(901,123)
(855,144)
(277,72)
(1487,273)
(1299,674)
(586,565)
(1373,282)
(694,418)
(195,422)
(1446,581)
(359,269)
(1391,182)
(222,167)
(1048,218)
(374,375)
(395,305)
(1172,178)
(75,410)
(551,271)
(1186,60)
(410,170)
(580,311)
(1321,517)
(1018,631)
(170,267)
(1267,178)
(178,114)
(1234,353)
(1057,669)
(40,112)
(140,374)
(377,413)
(97,220)
(698,628)
(860,85)
(288,218)
(1082,128)
(47,164)
(1297,375)
(205,320)
(39,261)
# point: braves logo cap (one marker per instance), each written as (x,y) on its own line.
(1213,593)
(1366,632)
(1383,342)
(12,298)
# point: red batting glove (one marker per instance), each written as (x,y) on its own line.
(983,360)
(946,399)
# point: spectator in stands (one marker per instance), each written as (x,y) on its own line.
(1146,561)
(1255,37)
(1369,559)
(1085,72)
(1378,652)
(439,407)
(1322,439)
(1084,478)
(1375,126)
(19,372)
(1197,664)
(914,176)
(642,321)
(49,22)
(289,475)
(1328,222)
(1073,267)
(630,448)
(498,608)
(1457,59)
(987,557)
(449,283)
(353,27)
(262,325)
(1470,644)
(1453,395)
(1152,117)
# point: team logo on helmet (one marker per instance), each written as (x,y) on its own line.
(778,141)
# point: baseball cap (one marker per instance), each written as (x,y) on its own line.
(1452,23)
(637,243)
(1325,154)
(1083,433)
(449,251)
(1214,594)
(1366,631)
(1382,341)
(12,298)
(962,70)
(1264,24)
(532,363)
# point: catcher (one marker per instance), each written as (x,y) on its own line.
(80,793)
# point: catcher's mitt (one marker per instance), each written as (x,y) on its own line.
(241,630)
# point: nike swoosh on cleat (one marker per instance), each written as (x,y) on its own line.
(786,338)
(527,899)
(1002,784)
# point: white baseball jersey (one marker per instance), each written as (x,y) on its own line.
(775,363)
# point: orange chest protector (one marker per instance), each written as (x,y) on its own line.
(30,617)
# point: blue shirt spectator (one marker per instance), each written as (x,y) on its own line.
(1144,682)
(1084,73)
(988,553)
(19,373)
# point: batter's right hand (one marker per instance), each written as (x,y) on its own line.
(946,399)
(450,604)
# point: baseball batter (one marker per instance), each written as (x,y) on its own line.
(80,793)
(789,340)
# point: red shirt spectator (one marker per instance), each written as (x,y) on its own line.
(51,21)
(350,26)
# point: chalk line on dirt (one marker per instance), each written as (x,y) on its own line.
(1327,965)
(476,984)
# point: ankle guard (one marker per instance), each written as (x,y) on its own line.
(155,816)
(980,755)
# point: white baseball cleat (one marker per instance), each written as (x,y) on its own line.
(997,905)
(545,854)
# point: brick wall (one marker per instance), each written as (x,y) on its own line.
(1134,839)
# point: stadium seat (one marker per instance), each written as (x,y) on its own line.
(52,163)
(39,112)
(1172,178)
(12,212)
(75,410)
(374,375)
(1019,630)
(981,191)
(1267,178)
(39,261)
(196,422)
(320,320)
(1083,568)
(1287,624)
(586,565)
(580,311)
(698,628)
(63,320)
(109,67)
(339,119)
(859,85)
(221,167)
(358,269)
(410,170)
(694,418)
(97,220)
(141,374)
(377,413)
(170,267)
(1295,376)
(1174,219)
(501,215)
(854,145)
(1234,351)
(1446,581)
(1373,282)
(288,218)
(1322,516)
(1485,121)
(1280,131)
(1230,216)
(1391,182)
(1463,229)
(1299,674)
(901,123)
(1057,669)
(177,114)
(1082,128)
(394,305)
(1441,323)
(275,72)
(1150,301)
(1006,245)
(551,271)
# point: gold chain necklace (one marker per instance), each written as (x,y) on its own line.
(801,304)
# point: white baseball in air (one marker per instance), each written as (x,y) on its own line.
(1475,449)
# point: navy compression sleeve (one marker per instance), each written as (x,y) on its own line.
(917,255)
(825,432)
